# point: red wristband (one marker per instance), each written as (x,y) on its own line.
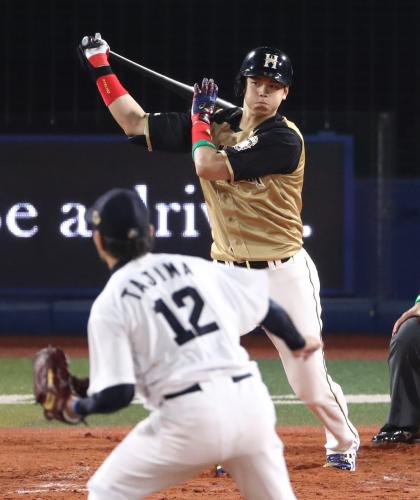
(200,130)
(98,60)
(110,88)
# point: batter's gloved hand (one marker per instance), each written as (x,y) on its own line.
(95,50)
(93,54)
(204,100)
(52,385)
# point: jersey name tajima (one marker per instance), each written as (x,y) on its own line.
(180,326)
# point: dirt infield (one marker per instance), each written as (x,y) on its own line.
(54,464)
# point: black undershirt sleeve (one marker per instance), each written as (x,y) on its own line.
(278,322)
(275,151)
(107,401)
(170,132)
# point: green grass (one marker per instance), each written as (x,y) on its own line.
(30,415)
(354,376)
(16,374)
(360,376)
(360,414)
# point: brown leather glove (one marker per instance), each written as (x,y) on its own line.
(52,384)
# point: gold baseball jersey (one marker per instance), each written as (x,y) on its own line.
(255,215)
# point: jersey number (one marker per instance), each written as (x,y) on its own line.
(183,335)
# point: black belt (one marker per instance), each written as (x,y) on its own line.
(253,264)
(196,387)
(192,388)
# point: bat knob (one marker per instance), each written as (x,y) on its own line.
(90,42)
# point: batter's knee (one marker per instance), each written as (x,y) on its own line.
(320,399)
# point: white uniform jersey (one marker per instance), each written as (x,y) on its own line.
(166,321)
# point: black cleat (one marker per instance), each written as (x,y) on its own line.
(394,435)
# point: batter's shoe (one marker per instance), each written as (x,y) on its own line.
(219,471)
(390,434)
(343,461)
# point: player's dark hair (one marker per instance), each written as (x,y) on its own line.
(128,249)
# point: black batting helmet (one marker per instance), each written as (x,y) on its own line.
(264,61)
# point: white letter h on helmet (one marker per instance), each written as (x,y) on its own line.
(271,59)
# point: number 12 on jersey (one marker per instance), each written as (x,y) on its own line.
(181,334)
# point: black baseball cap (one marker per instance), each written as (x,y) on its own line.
(119,214)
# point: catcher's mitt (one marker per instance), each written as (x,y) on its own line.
(52,384)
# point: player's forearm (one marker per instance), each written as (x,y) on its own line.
(109,400)
(129,115)
(210,164)
(94,52)
(278,322)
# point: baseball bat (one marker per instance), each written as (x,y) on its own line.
(180,88)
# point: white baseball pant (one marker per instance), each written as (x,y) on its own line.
(227,422)
(295,286)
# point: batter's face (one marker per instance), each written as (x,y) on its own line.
(263,95)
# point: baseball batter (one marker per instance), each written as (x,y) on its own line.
(169,326)
(250,162)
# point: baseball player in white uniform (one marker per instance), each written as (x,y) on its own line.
(168,326)
(250,162)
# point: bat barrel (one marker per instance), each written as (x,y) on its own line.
(224,104)
(180,88)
